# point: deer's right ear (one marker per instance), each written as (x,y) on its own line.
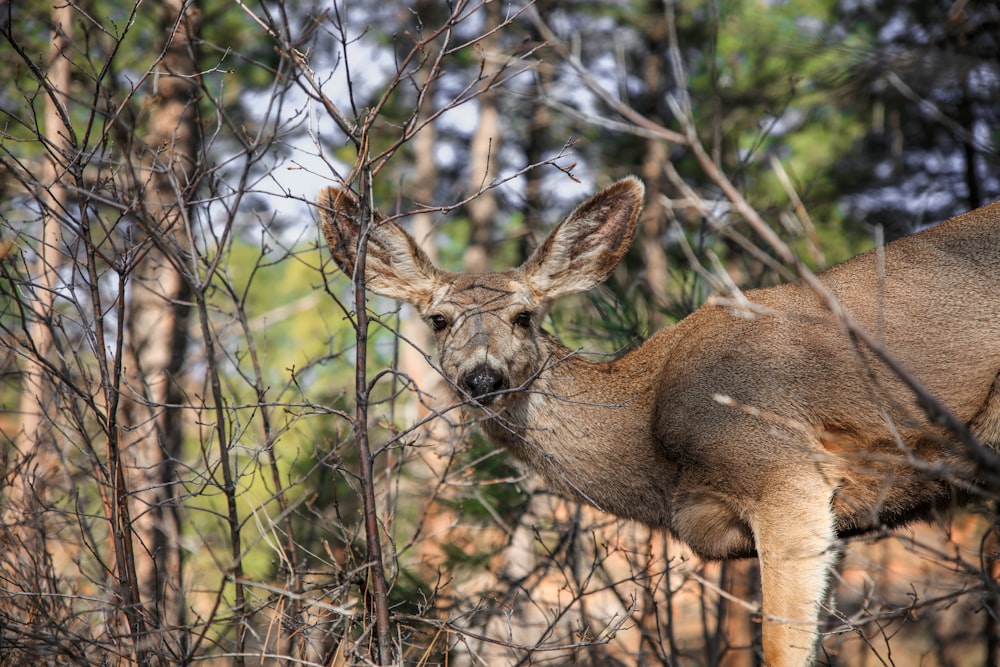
(395,266)
(583,250)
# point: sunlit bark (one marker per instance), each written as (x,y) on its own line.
(483,151)
(35,473)
(159,313)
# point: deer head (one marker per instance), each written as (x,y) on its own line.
(487,326)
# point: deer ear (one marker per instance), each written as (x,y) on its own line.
(583,250)
(395,266)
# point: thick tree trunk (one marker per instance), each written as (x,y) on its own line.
(158,314)
(32,474)
(432,394)
(538,138)
(412,355)
(482,160)
(653,217)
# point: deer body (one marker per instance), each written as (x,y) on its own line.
(768,431)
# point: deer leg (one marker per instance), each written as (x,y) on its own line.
(794,531)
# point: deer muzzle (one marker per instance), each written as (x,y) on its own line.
(483,382)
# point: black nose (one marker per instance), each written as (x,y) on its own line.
(482,382)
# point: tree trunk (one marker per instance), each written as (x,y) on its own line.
(482,159)
(538,137)
(412,359)
(158,315)
(34,474)
(432,394)
(653,217)
(741,580)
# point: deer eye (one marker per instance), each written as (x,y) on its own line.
(438,322)
(523,319)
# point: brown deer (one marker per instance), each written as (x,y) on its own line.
(766,430)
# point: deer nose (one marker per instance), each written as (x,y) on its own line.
(482,382)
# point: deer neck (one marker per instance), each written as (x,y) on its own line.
(586,429)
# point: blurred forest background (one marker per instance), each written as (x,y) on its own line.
(188,472)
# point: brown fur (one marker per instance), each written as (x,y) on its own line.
(769,432)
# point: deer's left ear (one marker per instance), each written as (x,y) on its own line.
(585,248)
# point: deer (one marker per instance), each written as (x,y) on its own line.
(766,430)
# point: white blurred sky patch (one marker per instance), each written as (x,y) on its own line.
(365,65)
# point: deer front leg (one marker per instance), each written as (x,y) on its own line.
(794,531)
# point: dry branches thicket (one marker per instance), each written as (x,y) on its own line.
(208,451)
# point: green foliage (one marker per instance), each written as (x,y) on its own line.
(490,501)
